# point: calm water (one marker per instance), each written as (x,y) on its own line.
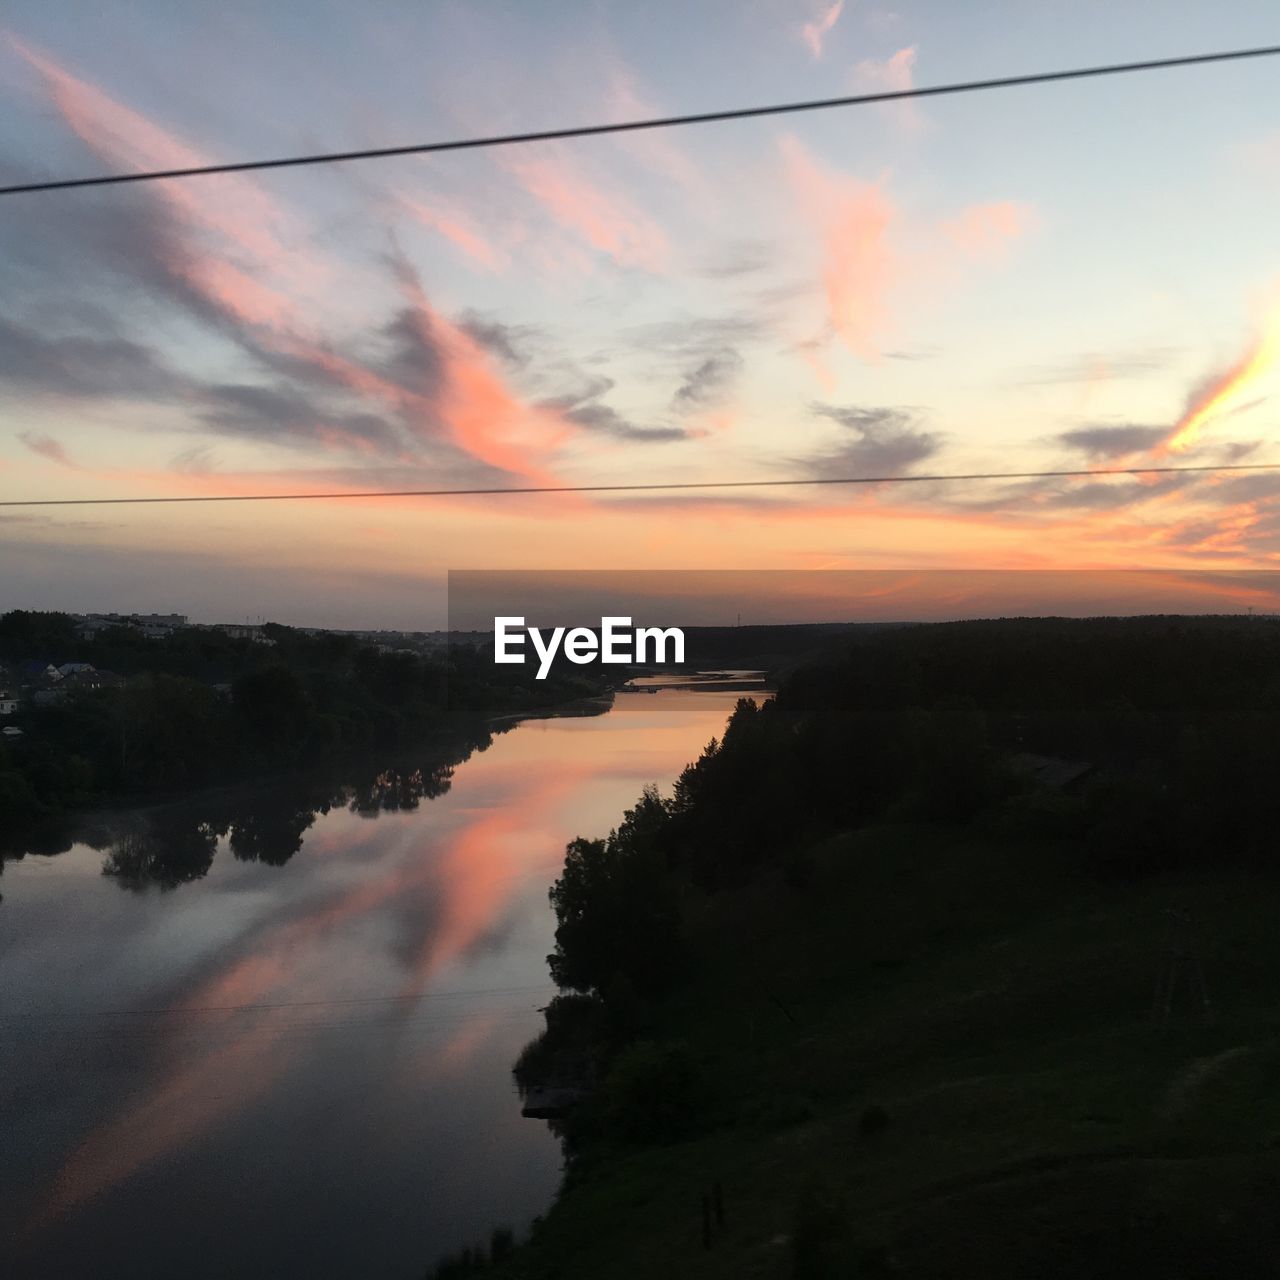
(275,1041)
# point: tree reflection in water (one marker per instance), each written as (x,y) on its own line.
(175,844)
(166,853)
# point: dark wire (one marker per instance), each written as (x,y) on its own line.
(648,488)
(657,122)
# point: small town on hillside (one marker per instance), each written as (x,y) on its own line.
(44,679)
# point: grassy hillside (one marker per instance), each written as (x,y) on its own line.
(937,1058)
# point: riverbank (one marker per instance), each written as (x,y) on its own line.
(441,747)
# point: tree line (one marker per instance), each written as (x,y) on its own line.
(1176,718)
(199,707)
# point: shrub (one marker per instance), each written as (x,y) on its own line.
(656,1092)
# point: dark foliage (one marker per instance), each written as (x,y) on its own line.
(1177,719)
(166,722)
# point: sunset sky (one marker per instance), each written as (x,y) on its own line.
(1051,277)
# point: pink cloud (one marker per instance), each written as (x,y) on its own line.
(231,207)
(456,227)
(814,33)
(873,258)
(235,273)
(482,414)
(859,267)
(606,221)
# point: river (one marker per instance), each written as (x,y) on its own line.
(279,1042)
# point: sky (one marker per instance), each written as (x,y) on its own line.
(1067,276)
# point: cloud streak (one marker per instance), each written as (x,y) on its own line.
(1224,391)
(880,441)
(586,408)
(709,381)
(859,267)
(46,447)
(814,33)
(1118,441)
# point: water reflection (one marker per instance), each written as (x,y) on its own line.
(285,1047)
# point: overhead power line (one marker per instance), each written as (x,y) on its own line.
(664,486)
(654,122)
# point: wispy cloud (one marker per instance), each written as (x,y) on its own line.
(880,441)
(82,365)
(456,226)
(408,389)
(709,380)
(871,253)
(1108,441)
(1225,390)
(894,74)
(604,219)
(984,231)
(1092,367)
(585,406)
(46,447)
(814,33)
(859,266)
(506,341)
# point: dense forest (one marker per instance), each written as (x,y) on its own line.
(1178,720)
(199,707)
(733,901)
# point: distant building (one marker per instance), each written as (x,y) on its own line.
(90,678)
(8,703)
(245,631)
(153,625)
(74,668)
(34,671)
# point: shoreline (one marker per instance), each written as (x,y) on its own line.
(107,814)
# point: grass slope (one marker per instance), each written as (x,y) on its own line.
(996,1003)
